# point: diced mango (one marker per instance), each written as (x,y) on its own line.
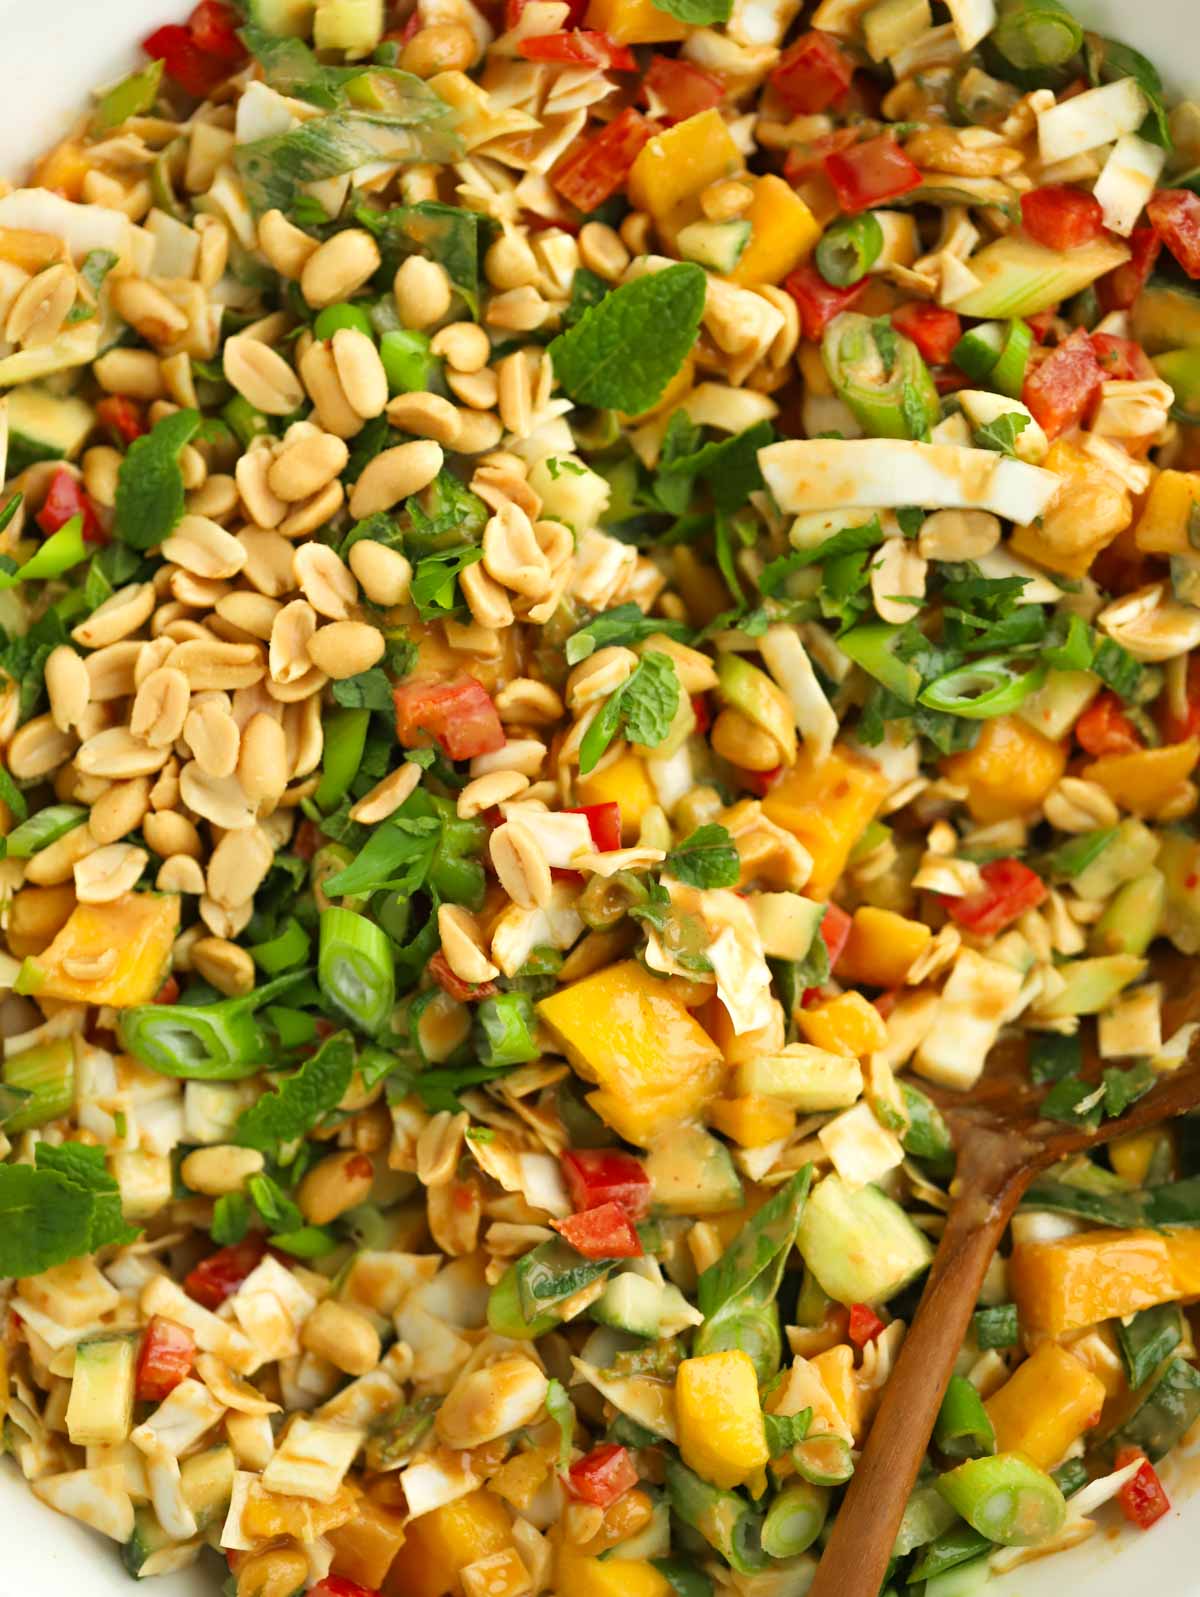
(783,233)
(828,804)
(882,947)
(751,1121)
(847,1024)
(365,1546)
(1143,780)
(719,1416)
(439,1545)
(836,1368)
(64,170)
(1131,1155)
(1162,527)
(1042,1409)
(679,163)
(1092,507)
(653,1062)
(36,915)
(1009,771)
(140,927)
(582,1576)
(1101,1275)
(624,782)
(634,22)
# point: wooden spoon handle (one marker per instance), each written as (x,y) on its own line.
(857,1553)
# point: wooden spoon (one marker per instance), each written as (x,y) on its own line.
(1002,1145)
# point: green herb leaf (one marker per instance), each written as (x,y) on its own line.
(623,352)
(697,13)
(44,1220)
(1002,434)
(587,289)
(435,580)
(650,699)
(1124,1087)
(449,234)
(278,1211)
(398,855)
(785,1430)
(1052,1057)
(562,1411)
(997,1326)
(915,412)
(1075,1102)
(231,1219)
(1117,668)
(301,1101)
(627,624)
(708,858)
(369,690)
(150,496)
(88,1170)
(96,266)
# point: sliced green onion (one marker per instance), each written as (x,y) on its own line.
(133,96)
(504,1030)
(294,1027)
(1072,1476)
(795,1519)
(747,1325)
(335,318)
(880,375)
(1036,34)
(996,1326)
(873,647)
(203,1042)
(685,1579)
(953,1547)
(42,829)
(1008,374)
(345,738)
(963,1429)
(978,350)
(246,423)
(355,968)
(725,1520)
(284,951)
(1006,1498)
(1074,857)
(438,1026)
(309,1242)
(928,1136)
(59,553)
(966,1580)
(47,1073)
(823,1460)
(989,686)
(407,360)
(506,1317)
(849,248)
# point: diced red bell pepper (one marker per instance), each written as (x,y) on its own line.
(604,823)
(218,1277)
(818,301)
(605,1232)
(514,8)
(1177,726)
(165,1358)
(1122,359)
(835,932)
(760,782)
(885,1003)
(1061,217)
(1009,889)
(674,89)
(597,1177)
(1175,216)
(803,161)
(124,418)
(1118,289)
(867,174)
(864,1324)
(601,1477)
(582,47)
(307,840)
(1040,324)
(339,1586)
(458,713)
(168,993)
(593,169)
(463,992)
(933,329)
(1059,389)
(702,710)
(65,500)
(1104,728)
(813,72)
(214,28)
(1143,1499)
(195,71)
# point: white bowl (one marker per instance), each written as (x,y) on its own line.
(53,53)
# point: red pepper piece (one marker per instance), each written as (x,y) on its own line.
(339,1586)
(593,169)
(818,301)
(124,419)
(218,1277)
(603,1475)
(1175,216)
(582,47)
(1142,1498)
(673,89)
(1059,389)
(1104,728)
(867,174)
(64,501)
(812,73)
(605,1232)
(458,713)
(464,992)
(165,1358)
(214,28)
(195,71)
(1009,889)
(1060,217)
(1118,289)
(933,329)
(596,1177)
(1122,359)
(864,1324)
(604,823)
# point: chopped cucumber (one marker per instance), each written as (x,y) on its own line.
(1020,278)
(717,245)
(100,1408)
(286,19)
(1166,315)
(42,426)
(1132,849)
(861,1246)
(803,1077)
(978,350)
(1054,708)
(148,1539)
(206,1481)
(692,1173)
(1092,984)
(355,26)
(1133,917)
(1179,862)
(629,1303)
(787,923)
(652,1541)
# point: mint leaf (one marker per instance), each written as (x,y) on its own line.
(1117,668)
(231,1219)
(626,624)
(435,580)
(273,1204)
(1125,1087)
(87,1169)
(44,1220)
(645,704)
(587,289)
(706,859)
(785,1430)
(96,266)
(623,352)
(1051,1057)
(369,690)
(1002,434)
(699,13)
(300,1101)
(1074,1101)
(398,855)
(449,234)
(150,483)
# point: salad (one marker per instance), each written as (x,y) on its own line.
(597,603)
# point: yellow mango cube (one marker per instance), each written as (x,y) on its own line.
(1162,527)
(1131,1155)
(827,804)
(365,1546)
(719,1416)
(847,1024)
(634,22)
(624,782)
(679,163)
(1091,1276)
(1009,771)
(882,947)
(652,1061)
(1045,1406)
(1145,779)
(139,927)
(441,1544)
(783,233)
(583,1576)
(1092,507)
(751,1121)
